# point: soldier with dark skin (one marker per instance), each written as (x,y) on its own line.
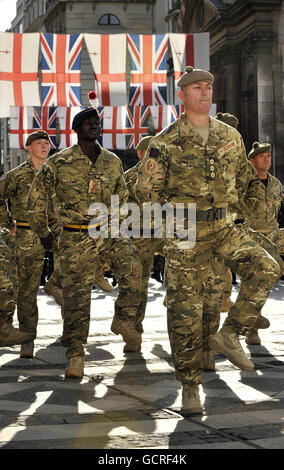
(200,160)
(76,179)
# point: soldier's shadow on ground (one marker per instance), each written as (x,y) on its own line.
(44,397)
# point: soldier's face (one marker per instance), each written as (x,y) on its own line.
(39,149)
(90,129)
(197,97)
(262,161)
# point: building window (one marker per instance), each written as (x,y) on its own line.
(108,19)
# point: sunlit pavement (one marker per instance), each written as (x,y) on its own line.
(132,401)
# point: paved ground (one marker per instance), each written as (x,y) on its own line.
(132,401)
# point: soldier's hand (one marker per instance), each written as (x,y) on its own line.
(47,242)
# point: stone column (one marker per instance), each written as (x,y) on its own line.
(265,85)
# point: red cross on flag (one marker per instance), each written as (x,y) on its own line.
(18,71)
(162,116)
(21,125)
(189,49)
(124,126)
(108,56)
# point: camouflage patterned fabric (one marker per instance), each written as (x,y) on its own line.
(179,167)
(73,183)
(7,303)
(28,251)
(146,248)
(262,213)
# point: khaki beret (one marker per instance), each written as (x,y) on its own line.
(144,143)
(37,135)
(228,118)
(258,148)
(192,75)
(82,116)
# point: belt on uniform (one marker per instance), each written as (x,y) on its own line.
(205,216)
(80,228)
(24,225)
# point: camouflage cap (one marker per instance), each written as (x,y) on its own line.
(37,135)
(192,75)
(258,148)
(144,143)
(82,116)
(228,118)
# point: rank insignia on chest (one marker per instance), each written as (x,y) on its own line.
(92,186)
(227,147)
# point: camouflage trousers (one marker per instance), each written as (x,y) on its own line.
(29,255)
(213,297)
(186,274)
(146,249)
(79,254)
(7,303)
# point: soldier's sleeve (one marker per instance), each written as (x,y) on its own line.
(52,219)
(247,182)
(6,188)
(43,188)
(151,178)
(120,187)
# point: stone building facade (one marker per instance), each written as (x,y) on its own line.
(84,16)
(247,60)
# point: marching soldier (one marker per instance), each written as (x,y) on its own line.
(262,212)
(29,251)
(201,160)
(146,246)
(74,179)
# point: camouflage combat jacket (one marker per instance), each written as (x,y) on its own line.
(73,182)
(14,190)
(130,180)
(180,167)
(262,213)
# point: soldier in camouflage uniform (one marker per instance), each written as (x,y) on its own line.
(200,160)
(262,212)
(29,251)
(8,334)
(146,246)
(74,179)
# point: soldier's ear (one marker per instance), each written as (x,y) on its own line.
(180,94)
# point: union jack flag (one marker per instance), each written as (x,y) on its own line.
(124,126)
(162,116)
(61,58)
(148,80)
(44,118)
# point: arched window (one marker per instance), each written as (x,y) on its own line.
(109,19)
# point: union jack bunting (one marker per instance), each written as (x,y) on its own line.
(44,118)
(61,59)
(162,116)
(21,125)
(108,56)
(189,49)
(18,71)
(148,79)
(124,126)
